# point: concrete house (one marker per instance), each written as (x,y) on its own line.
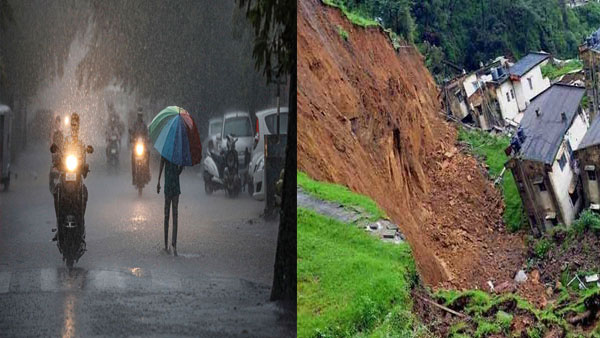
(527,80)
(542,160)
(588,158)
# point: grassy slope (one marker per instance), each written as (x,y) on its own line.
(354,16)
(492,148)
(350,283)
(338,193)
(553,72)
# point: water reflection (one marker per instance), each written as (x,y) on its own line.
(69,314)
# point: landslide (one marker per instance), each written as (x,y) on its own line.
(369,119)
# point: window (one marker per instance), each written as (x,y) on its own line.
(507,97)
(562,161)
(530,83)
(512,94)
(591,175)
(271,122)
(541,186)
(238,126)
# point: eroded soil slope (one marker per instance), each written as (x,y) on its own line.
(369,119)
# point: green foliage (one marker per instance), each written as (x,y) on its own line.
(350,283)
(587,220)
(355,14)
(552,72)
(492,149)
(342,32)
(338,193)
(542,247)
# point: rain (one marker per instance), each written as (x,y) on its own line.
(83,252)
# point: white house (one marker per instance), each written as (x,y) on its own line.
(526,77)
(542,161)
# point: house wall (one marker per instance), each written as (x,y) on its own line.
(468,84)
(523,92)
(508,108)
(591,67)
(591,189)
(563,178)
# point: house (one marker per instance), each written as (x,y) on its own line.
(527,79)
(542,161)
(498,93)
(588,158)
(589,53)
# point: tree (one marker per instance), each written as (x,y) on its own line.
(274,25)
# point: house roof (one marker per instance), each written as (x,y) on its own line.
(527,62)
(544,133)
(592,136)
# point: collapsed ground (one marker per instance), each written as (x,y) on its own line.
(334,298)
(369,119)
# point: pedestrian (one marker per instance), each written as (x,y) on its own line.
(172,192)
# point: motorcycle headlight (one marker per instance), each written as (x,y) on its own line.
(71,162)
(139,149)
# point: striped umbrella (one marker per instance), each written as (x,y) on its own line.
(175,135)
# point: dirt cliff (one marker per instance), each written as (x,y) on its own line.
(369,118)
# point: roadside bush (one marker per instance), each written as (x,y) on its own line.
(342,32)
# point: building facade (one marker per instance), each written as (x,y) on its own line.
(588,158)
(542,159)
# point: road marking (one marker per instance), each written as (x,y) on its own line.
(161,280)
(108,280)
(5,281)
(48,279)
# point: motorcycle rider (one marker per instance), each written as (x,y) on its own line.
(139,130)
(71,142)
(115,125)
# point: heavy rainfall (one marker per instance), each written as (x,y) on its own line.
(89,252)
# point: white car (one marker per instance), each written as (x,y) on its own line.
(266,124)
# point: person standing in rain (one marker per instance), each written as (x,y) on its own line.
(172,192)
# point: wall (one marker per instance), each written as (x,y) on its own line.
(468,84)
(508,109)
(523,92)
(591,189)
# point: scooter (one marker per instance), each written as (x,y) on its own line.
(71,201)
(221,170)
(112,151)
(141,168)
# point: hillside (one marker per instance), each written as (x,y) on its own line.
(369,119)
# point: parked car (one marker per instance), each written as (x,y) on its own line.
(5,137)
(266,124)
(214,128)
(238,124)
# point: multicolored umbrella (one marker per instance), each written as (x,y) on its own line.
(175,135)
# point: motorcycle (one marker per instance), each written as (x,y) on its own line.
(221,170)
(141,169)
(71,203)
(112,150)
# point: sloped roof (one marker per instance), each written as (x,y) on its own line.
(527,62)
(592,136)
(544,133)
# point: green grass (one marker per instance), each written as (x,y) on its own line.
(338,193)
(552,72)
(355,16)
(342,32)
(352,284)
(492,149)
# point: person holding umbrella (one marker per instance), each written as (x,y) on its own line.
(174,134)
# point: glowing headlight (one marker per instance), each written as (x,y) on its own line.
(66,120)
(139,149)
(71,163)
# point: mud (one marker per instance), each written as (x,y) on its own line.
(369,118)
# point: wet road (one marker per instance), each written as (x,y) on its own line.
(125,285)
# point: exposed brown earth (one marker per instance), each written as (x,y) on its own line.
(369,119)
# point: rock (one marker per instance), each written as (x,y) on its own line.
(469,178)
(549,291)
(558,285)
(520,277)
(506,286)
(448,154)
(535,276)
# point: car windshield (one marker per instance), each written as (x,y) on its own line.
(238,126)
(271,121)
(214,128)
